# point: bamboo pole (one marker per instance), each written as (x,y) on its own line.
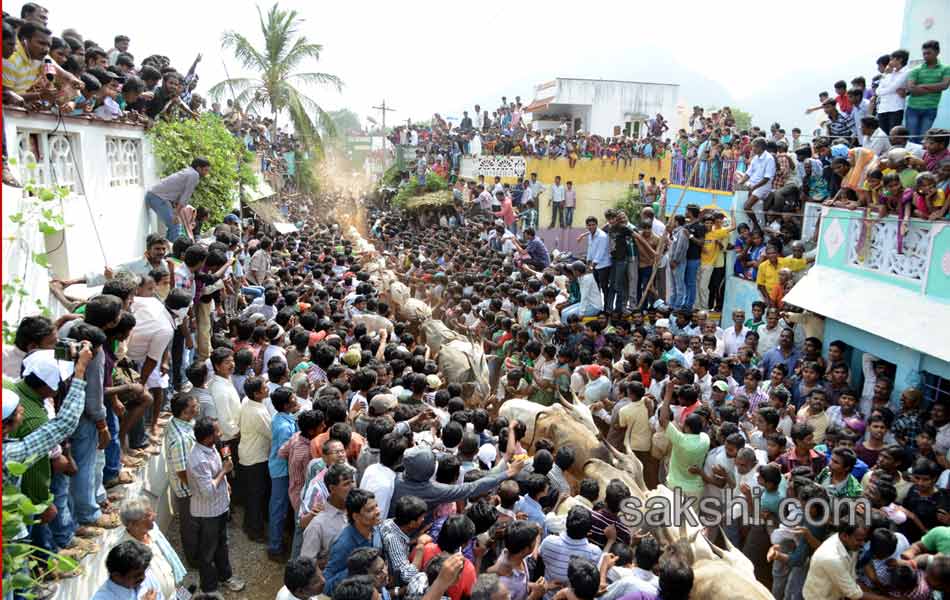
(662,248)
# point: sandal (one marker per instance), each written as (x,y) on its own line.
(88,532)
(132,462)
(107,521)
(123,478)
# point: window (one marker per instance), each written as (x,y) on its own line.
(934,387)
(55,156)
(123,156)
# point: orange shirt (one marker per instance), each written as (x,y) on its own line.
(352,452)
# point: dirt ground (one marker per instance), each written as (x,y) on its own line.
(248,560)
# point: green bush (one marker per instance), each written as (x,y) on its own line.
(176,143)
(24,564)
(630,204)
(434,183)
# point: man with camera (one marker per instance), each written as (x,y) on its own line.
(25,443)
(92,435)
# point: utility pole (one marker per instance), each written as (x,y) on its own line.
(384,109)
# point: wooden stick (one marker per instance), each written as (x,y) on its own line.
(662,250)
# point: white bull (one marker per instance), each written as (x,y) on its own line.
(463,362)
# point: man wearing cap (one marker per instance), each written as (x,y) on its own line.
(43,374)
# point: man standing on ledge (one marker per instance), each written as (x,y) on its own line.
(169,198)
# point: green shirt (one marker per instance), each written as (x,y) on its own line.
(688,449)
(850,488)
(36,480)
(924,75)
(937,540)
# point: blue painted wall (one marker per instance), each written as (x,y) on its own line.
(907,361)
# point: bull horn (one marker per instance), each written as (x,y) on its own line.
(729,546)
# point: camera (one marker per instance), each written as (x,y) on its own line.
(66,349)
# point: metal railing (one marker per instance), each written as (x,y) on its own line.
(713,174)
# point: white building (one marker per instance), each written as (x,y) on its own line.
(601,106)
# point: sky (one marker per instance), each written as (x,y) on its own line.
(425,56)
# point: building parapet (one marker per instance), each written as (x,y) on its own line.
(916,259)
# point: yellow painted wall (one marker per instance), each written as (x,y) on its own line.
(599,184)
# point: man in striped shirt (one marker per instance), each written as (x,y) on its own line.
(210,501)
(179,441)
(557,550)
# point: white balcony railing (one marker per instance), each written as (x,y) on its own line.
(872,245)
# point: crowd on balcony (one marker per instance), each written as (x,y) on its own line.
(507,132)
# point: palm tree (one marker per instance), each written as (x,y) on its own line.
(275,86)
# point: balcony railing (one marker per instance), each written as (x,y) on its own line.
(716,174)
(873,245)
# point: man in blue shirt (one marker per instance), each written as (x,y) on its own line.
(538,257)
(362,532)
(785,353)
(127,564)
(536,487)
(283,426)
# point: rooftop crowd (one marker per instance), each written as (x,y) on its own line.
(507,132)
(288,396)
(72,76)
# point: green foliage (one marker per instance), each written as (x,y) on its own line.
(176,143)
(630,204)
(391,177)
(24,564)
(276,84)
(434,183)
(345,120)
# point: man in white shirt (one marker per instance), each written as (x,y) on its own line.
(537,188)
(557,203)
(758,178)
(155,324)
(890,97)
(733,337)
(227,403)
(873,137)
(303,580)
(253,450)
(380,478)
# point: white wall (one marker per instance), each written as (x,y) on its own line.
(613,101)
(108,167)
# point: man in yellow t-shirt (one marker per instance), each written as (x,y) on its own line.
(25,65)
(714,244)
(768,277)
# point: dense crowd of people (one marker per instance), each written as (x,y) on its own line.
(297,393)
(280,380)
(73,76)
(506,132)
